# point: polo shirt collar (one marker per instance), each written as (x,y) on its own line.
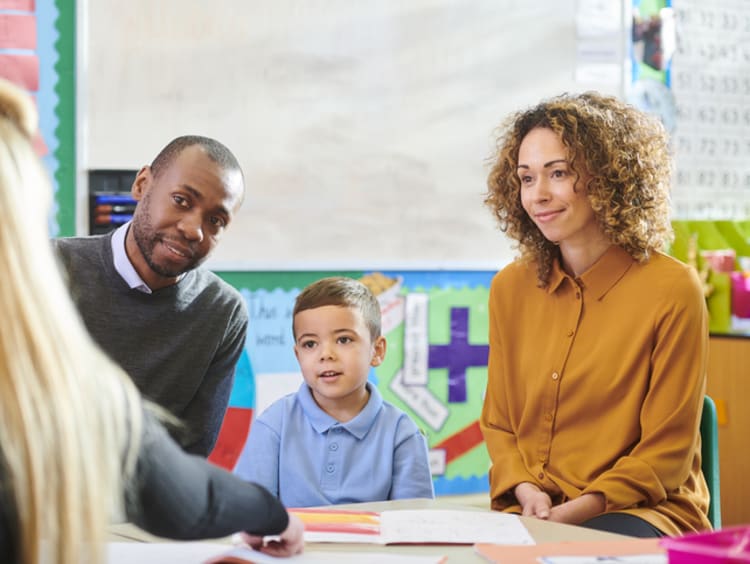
(322,422)
(600,277)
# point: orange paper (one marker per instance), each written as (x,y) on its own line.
(502,554)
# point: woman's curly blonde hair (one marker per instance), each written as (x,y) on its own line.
(626,153)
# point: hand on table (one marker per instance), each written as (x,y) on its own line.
(288,543)
(534,502)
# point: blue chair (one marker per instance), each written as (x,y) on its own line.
(710,459)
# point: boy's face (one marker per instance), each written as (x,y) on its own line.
(335,352)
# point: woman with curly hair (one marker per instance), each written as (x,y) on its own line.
(598,339)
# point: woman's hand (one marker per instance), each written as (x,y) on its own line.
(578,510)
(288,543)
(534,502)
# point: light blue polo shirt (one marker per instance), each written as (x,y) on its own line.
(306,457)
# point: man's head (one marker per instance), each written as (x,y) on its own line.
(187,198)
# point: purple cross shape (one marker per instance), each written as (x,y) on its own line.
(458,355)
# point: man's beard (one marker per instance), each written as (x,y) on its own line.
(147,239)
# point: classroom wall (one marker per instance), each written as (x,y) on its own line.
(363,128)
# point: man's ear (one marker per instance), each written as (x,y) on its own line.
(141,183)
(378,354)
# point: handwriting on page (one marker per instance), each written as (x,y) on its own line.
(452,527)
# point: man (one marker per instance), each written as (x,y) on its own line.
(178,330)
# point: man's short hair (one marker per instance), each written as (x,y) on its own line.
(216,151)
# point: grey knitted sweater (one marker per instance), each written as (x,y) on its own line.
(179,344)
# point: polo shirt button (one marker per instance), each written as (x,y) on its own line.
(333,446)
(555,375)
(330,468)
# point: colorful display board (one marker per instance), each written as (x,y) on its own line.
(37,51)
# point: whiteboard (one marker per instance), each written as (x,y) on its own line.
(363,128)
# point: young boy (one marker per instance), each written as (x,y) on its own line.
(335,440)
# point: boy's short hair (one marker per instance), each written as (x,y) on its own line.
(344,292)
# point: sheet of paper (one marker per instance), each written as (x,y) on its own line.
(446,526)
(636,559)
(579,551)
(215,553)
(247,555)
(162,552)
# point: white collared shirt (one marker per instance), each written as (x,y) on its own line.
(123,266)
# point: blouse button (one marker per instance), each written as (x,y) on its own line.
(578,295)
(540,475)
(333,446)
(570,333)
(330,468)
(555,375)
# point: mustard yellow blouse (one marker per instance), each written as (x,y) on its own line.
(596,384)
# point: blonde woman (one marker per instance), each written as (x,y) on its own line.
(598,340)
(76,446)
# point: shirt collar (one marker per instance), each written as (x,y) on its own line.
(322,422)
(600,277)
(123,266)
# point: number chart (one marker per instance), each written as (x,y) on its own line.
(710,78)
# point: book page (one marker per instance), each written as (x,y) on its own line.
(445,526)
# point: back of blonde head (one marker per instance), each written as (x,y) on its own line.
(68,416)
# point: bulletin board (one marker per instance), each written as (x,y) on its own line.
(363,127)
(37,53)
(435,369)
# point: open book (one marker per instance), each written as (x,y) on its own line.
(412,526)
